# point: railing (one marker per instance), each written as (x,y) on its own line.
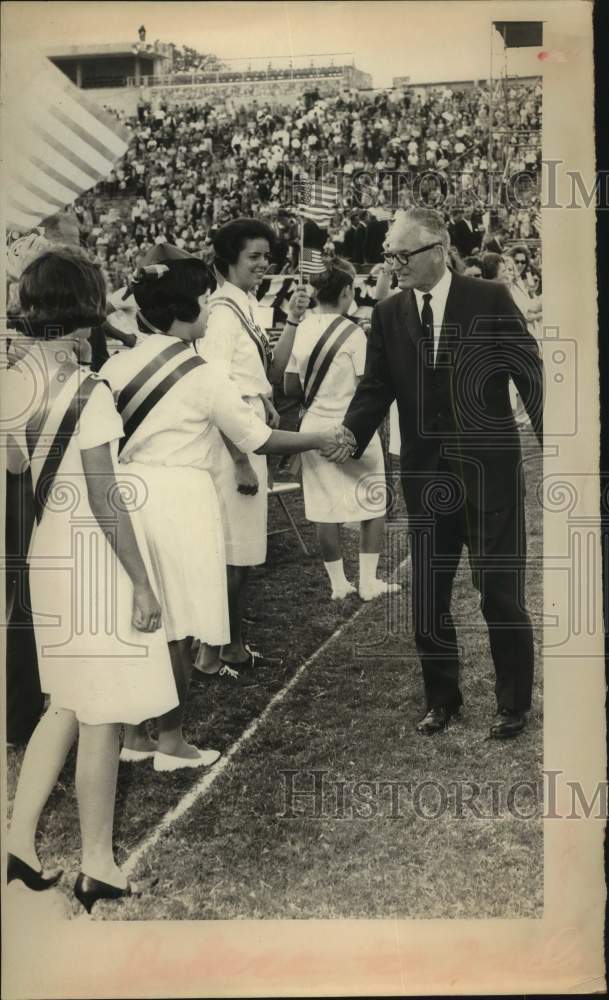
(181,79)
(104,81)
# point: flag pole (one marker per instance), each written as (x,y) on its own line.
(490,124)
(301,256)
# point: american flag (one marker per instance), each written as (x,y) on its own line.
(318,202)
(58,143)
(312,262)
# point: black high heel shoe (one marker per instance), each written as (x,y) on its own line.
(89,890)
(16,869)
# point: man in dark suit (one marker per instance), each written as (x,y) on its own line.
(463,235)
(445,347)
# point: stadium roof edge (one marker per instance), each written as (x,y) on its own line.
(107,48)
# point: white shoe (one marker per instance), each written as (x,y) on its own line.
(378,588)
(341,592)
(167,761)
(135,756)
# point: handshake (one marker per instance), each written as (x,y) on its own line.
(339,444)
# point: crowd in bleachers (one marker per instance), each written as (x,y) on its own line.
(193,166)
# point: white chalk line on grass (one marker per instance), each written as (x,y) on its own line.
(202,787)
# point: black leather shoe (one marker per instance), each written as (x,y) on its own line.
(436,720)
(89,890)
(18,870)
(508,724)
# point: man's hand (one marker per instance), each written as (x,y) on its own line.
(245,477)
(340,446)
(272,417)
(298,304)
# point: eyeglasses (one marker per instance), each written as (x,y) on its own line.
(520,260)
(403,256)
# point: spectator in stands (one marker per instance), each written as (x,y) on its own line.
(491,262)
(522,262)
(201,162)
(376,231)
(473,267)
(463,236)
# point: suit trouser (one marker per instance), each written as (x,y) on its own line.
(496,541)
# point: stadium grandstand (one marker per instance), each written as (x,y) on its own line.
(213,139)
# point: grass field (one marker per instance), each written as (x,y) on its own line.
(373,849)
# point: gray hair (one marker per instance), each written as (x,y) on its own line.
(426,219)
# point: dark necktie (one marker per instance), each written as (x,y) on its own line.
(427,324)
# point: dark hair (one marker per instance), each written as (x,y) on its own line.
(524,252)
(473,262)
(328,284)
(490,265)
(172,295)
(60,291)
(231,239)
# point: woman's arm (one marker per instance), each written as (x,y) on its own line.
(293,443)
(246,479)
(238,422)
(114,520)
(292,386)
(298,304)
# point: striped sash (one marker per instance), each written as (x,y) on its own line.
(144,391)
(322,356)
(49,434)
(255,332)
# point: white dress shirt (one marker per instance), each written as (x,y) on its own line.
(439,295)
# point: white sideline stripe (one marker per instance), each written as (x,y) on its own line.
(202,787)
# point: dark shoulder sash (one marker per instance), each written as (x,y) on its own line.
(144,391)
(323,354)
(56,450)
(255,333)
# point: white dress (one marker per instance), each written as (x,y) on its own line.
(333,493)
(244,517)
(172,455)
(91,658)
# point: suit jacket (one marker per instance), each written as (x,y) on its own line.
(466,240)
(457,410)
(376,231)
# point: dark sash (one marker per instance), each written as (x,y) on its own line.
(256,333)
(156,393)
(55,452)
(322,356)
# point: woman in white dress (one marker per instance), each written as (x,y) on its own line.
(235,337)
(327,361)
(175,406)
(101,650)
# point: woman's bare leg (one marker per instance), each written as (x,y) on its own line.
(96,773)
(42,764)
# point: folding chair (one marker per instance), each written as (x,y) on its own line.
(279,490)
